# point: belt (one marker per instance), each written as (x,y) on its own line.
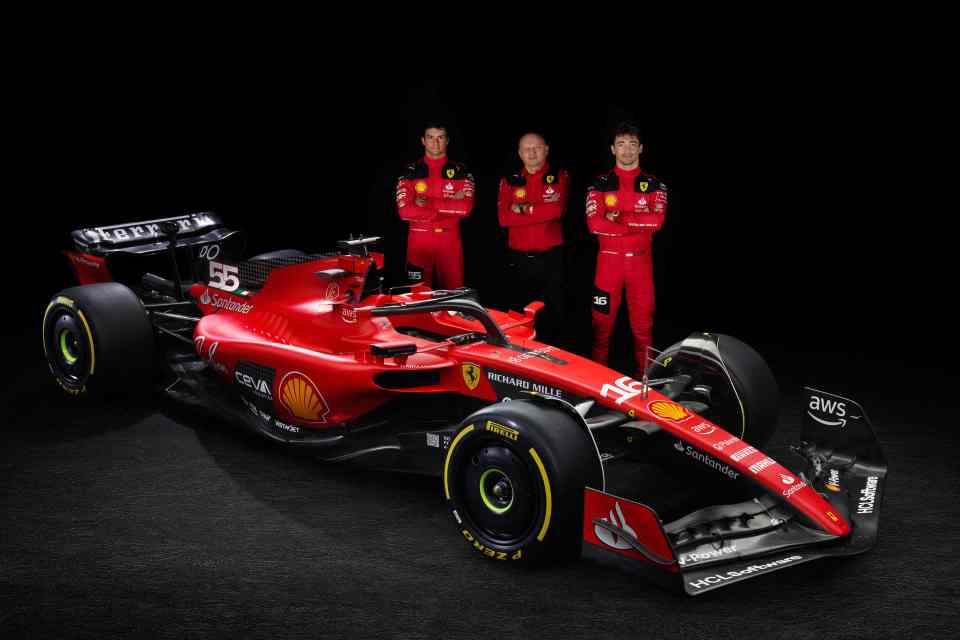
(628,255)
(433,230)
(533,254)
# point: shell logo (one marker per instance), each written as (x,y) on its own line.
(300,397)
(520,193)
(420,187)
(610,200)
(832,487)
(669,410)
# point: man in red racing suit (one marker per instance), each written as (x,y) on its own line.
(433,194)
(624,208)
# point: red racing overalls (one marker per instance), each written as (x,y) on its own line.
(639,201)
(433,242)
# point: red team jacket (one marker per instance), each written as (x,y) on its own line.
(641,201)
(439,180)
(542,227)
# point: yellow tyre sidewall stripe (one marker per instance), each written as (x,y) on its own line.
(549,495)
(93,355)
(43,327)
(446,463)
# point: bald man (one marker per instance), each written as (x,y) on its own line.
(531,205)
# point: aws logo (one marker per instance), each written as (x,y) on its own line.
(832,412)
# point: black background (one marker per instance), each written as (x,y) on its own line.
(792,218)
(797,222)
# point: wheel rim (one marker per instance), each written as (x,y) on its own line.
(66,348)
(500,495)
(496,491)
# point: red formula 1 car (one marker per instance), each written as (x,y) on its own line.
(541,453)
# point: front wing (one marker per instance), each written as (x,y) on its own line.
(724,544)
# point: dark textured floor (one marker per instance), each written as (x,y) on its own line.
(151,521)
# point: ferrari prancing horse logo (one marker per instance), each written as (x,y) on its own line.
(450,173)
(471,375)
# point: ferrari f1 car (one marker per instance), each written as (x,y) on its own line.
(537,449)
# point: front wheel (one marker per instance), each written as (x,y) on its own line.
(724,380)
(514,476)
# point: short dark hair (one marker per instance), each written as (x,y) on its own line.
(626,128)
(435,124)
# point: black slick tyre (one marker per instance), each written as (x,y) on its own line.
(98,340)
(513,478)
(742,397)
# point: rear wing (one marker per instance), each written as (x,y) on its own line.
(124,252)
(147,237)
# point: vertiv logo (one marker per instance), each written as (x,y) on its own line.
(611,539)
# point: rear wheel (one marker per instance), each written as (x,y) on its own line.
(724,380)
(514,478)
(98,339)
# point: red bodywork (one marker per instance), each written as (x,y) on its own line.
(304,327)
(89,269)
